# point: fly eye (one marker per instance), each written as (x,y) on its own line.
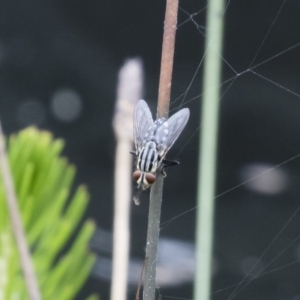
(150,178)
(136,175)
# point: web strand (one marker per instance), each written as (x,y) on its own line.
(237,290)
(268,32)
(276,84)
(261,274)
(252,69)
(236,76)
(201,61)
(166,223)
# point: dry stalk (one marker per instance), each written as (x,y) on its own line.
(17,227)
(129,92)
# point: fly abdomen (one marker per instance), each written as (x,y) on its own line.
(147,160)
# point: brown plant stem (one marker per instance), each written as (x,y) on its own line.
(162,112)
(167,57)
(15,217)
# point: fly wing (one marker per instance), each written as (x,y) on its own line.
(169,131)
(143,125)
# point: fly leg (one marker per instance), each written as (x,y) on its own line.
(168,163)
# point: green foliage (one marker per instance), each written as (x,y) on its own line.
(43,181)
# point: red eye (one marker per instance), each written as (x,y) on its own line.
(136,175)
(150,178)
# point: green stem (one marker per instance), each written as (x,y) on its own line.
(208,150)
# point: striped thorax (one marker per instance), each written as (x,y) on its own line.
(147,164)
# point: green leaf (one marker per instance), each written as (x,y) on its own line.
(51,217)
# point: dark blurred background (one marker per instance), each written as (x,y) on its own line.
(58,70)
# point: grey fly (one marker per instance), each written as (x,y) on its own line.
(152,142)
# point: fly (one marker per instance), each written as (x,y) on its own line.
(152,142)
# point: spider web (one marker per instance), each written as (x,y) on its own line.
(257,236)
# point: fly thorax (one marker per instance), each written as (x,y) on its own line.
(148,158)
